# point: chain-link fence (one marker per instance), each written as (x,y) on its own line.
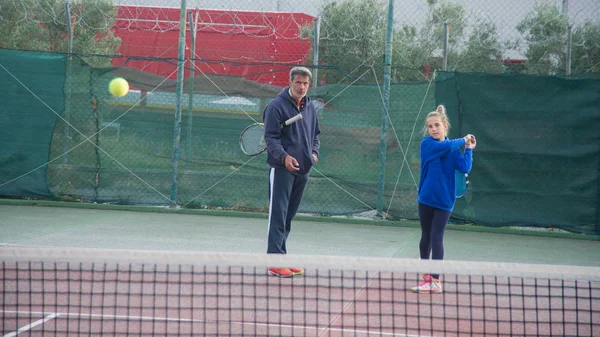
(531,36)
(374,82)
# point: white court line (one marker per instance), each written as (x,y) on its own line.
(188,320)
(29,326)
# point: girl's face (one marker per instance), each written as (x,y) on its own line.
(436,128)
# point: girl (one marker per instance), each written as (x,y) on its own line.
(440,157)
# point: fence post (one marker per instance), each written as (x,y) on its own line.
(178,98)
(387,68)
(446,42)
(569,42)
(67,127)
(565,13)
(317,26)
(193,28)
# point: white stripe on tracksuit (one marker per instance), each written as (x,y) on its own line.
(285,193)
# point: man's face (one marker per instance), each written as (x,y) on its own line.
(299,86)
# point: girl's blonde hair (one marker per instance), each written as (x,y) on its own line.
(440,112)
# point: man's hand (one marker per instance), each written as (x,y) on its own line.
(315,158)
(291,163)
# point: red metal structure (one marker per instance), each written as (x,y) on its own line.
(259,46)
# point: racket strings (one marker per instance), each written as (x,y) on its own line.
(252,140)
(462,183)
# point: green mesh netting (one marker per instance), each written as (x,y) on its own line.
(538,156)
(30,101)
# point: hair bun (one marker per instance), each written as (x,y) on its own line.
(441,109)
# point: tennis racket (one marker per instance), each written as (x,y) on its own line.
(461,182)
(252,139)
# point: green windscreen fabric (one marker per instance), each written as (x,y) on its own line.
(537,160)
(30,99)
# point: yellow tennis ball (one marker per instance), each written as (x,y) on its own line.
(118,87)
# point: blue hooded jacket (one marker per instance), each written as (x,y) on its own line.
(300,139)
(439,160)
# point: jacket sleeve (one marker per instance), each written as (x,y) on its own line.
(272,120)
(431,148)
(316,140)
(464,162)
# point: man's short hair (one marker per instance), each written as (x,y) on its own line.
(302,71)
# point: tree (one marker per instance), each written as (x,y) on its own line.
(483,52)
(411,55)
(41,26)
(441,13)
(585,55)
(18,30)
(545,31)
(418,49)
(352,38)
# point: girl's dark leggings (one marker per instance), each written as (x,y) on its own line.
(433,224)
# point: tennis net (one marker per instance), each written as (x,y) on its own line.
(90,292)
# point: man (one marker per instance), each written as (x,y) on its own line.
(291,152)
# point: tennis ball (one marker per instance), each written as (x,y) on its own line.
(118,87)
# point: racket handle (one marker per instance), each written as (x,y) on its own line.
(293,119)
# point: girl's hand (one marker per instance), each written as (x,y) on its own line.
(468,138)
(471,143)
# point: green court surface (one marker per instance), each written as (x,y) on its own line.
(141,228)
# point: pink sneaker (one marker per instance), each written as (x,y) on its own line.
(430,285)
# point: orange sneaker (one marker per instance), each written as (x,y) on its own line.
(281,272)
(297,271)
